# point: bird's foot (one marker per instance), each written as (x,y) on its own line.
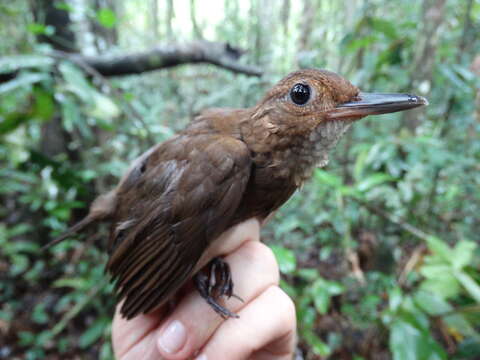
(215,283)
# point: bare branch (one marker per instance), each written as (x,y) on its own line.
(404,225)
(220,54)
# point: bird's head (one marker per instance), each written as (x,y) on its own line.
(308,111)
(306,99)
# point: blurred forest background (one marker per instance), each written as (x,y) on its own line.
(379,251)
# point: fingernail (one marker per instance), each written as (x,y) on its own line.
(173,337)
(201,357)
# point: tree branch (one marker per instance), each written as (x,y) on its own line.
(220,54)
(161,57)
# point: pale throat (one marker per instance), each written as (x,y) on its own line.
(295,156)
(312,151)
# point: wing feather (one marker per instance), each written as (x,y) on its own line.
(184,194)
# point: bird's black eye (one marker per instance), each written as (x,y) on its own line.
(300,94)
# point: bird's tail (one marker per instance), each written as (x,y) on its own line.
(102,208)
(73,230)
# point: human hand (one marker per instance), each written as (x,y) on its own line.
(266,328)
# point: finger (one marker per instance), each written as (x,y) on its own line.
(253,268)
(130,338)
(265,330)
(135,338)
(230,240)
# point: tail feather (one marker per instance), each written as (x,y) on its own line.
(73,230)
(102,208)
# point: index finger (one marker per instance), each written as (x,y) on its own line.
(131,336)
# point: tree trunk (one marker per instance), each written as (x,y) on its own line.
(170,14)
(105,37)
(285,17)
(197,31)
(54,137)
(468,28)
(155,22)
(45,12)
(475,67)
(306,24)
(433,16)
(262,27)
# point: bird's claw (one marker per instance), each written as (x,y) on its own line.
(215,285)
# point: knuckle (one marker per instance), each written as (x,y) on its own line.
(285,307)
(262,256)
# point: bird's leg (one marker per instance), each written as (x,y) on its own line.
(216,284)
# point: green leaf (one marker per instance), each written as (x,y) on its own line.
(75,283)
(26,338)
(321,299)
(360,164)
(452,77)
(327,178)
(308,274)
(16,247)
(289,289)
(20,263)
(408,342)
(395,298)
(440,248)
(446,286)
(286,259)
(62,5)
(350,191)
(286,226)
(435,271)
(354,43)
(472,287)
(106,18)
(39,314)
(384,26)
(431,303)
(457,323)
(22,80)
(373,180)
(93,333)
(3,236)
(469,349)
(462,254)
(40,29)
(70,113)
(76,82)
(19,229)
(464,72)
(44,106)
(11,122)
(9,64)
(306,314)
(104,108)
(318,346)
(322,291)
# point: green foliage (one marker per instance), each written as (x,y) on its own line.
(107,18)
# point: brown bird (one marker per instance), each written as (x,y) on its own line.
(227,166)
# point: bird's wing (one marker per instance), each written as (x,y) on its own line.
(171,205)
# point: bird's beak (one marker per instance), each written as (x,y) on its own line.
(375,104)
